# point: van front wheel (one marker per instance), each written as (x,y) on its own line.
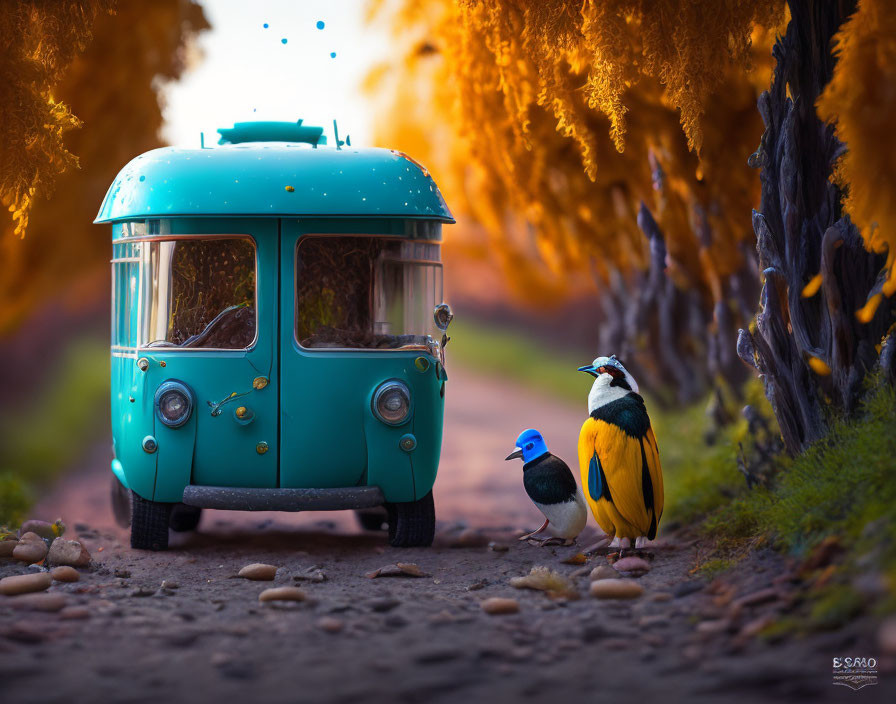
(412,524)
(149,523)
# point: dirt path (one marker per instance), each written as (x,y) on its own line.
(398,638)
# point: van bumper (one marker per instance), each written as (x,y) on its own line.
(246,499)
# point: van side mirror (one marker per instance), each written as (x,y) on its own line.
(442,316)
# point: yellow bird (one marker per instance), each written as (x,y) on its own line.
(618,456)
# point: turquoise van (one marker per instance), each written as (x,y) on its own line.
(278,333)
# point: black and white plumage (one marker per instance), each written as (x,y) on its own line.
(552,487)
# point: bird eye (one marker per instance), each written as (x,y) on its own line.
(530,445)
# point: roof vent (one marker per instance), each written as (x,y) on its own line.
(272,132)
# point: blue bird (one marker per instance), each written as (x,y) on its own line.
(551,486)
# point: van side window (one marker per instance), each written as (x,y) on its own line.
(201,294)
(357,292)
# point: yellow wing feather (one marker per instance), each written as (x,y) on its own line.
(620,458)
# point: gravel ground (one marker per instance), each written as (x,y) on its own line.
(203,635)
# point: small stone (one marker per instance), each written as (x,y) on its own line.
(399,569)
(317,576)
(383,604)
(763,596)
(468,538)
(688,587)
(713,627)
(258,572)
(74,613)
(68,552)
(330,624)
(603,572)
(498,547)
(635,566)
(31,548)
(654,621)
(616,589)
(38,602)
(43,529)
(142,592)
(499,605)
(24,583)
(661,596)
(282,594)
(168,584)
(65,573)
(7,546)
(123,574)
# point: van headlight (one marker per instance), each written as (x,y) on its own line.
(174,403)
(392,402)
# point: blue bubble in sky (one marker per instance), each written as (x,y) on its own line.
(265,25)
(320,24)
(332,54)
(284,40)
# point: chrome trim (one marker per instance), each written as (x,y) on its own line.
(383,388)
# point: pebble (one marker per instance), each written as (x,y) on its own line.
(74,613)
(616,589)
(7,546)
(499,605)
(282,594)
(31,548)
(42,529)
(383,604)
(635,566)
(65,573)
(603,572)
(763,596)
(39,602)
(330,624)
(754,627)
(498,547)
(258,572)
(661,596)
(468,538)
(123,574)
(654,621)
(713,627)
(399,569)
(24,583)
(168,584)
(68,552)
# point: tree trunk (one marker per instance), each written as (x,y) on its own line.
(801,232)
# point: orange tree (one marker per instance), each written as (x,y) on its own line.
(613,137)
(66,59)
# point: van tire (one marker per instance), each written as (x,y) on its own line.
(149,523)
(184,518)
(120,498)
(412,524)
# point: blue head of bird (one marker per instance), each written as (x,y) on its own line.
(611,381)
(529,446)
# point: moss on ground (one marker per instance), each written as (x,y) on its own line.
(41,438)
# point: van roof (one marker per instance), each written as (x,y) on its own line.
(274,179)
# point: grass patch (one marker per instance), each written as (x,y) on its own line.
(41,438)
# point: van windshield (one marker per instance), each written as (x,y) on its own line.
(200,293)
(367,293)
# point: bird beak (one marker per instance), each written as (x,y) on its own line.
(517,454)
(589,369)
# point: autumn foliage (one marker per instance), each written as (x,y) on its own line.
(861,101)
(105,75)
(553,125)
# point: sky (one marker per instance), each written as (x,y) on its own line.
(248,73)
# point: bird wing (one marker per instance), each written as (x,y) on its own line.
(613,467)
(652,451)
